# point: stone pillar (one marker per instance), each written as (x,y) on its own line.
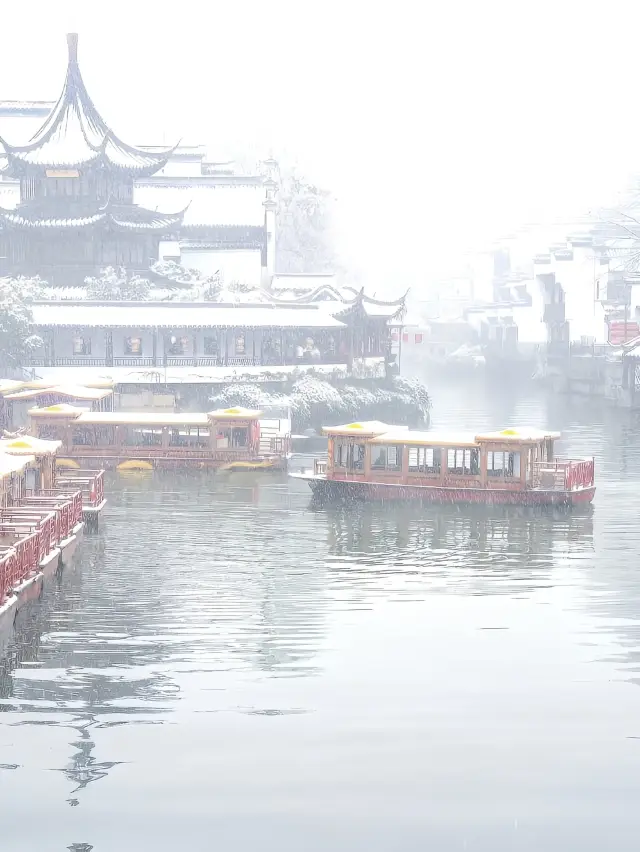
(271,172)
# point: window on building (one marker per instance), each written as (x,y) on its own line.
(425,460)
(463,462)
(177,345)
(386,458)
(82,346)
(211,346)
(133,346)
(503,465)
(418,338)
(405,337)
(240,344)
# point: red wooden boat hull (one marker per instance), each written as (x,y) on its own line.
(333,490)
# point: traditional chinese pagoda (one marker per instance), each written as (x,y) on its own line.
(76,212)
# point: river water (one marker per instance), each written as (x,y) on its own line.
(228,669)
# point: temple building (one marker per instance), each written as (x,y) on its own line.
(75,198)
(76,211)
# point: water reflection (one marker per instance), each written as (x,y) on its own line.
(439,549)
(382,672)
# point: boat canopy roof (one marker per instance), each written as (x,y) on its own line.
(83,417)
(141,418)
(375,432)
(363,429)
(426,439)
(70,391)
(60,409)
(13,464)
(8,386)
(27,445)
(525,435)
(236,413)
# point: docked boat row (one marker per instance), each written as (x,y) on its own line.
(378,461)
(93,430)
(43,511)
(230,438)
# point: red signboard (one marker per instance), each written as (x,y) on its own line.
(621,332)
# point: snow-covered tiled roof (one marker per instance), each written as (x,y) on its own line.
(182,374)
(208,203)
(372,309)
(75,135)
(179,315)
(302,283)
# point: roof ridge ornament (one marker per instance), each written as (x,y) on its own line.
(72,46)
(74,135)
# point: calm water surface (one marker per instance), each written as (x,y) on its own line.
(228,669)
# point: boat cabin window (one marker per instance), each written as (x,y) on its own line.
(93,436)
(143,436)
(425,460)
(463,462)
(32,480)
(347,455)
(232,437)
(16,486)
(386,458)
(501,464)
(189,436)
(50,431)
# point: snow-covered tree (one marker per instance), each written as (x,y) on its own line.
(16,338)
(117,285)
(315,402)
(303,226)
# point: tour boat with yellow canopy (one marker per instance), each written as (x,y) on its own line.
(230,439)
(373,460)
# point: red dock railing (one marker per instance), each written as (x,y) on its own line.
(90,483)
(34,524)
(20,559)
(68,507)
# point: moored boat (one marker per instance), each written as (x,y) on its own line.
(41,521)
(230,438)
(45,479)
(378,461)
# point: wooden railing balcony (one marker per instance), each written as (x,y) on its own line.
(160,361)
(564,474)
(129,361)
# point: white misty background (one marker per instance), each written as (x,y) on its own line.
(437,127)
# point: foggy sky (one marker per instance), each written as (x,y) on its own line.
(438,127)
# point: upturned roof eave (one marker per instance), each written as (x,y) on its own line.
(74,99)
